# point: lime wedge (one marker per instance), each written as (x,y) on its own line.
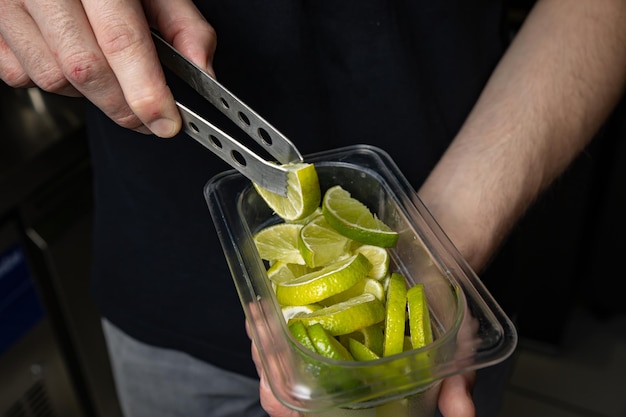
(371,286)
(419,317)
(299,331)
(290,312)
(360,352)
(366,285)
(283,272)
(371,337)
(346,317)
(279,242)
(303,193)
(305,220)
(378,257)
(396,315)
(320,244)
(318,285)
(326,345)
(353,219)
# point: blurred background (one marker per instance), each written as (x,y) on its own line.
(561,261)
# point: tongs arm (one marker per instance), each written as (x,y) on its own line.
(268,175)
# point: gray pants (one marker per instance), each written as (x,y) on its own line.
(161,382)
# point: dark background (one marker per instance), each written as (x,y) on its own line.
(563,254)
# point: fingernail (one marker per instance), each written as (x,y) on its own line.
(165,128)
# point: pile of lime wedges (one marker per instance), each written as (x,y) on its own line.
(330,267)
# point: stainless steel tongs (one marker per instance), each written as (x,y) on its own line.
(268,175)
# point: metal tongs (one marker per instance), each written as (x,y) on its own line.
(268,175)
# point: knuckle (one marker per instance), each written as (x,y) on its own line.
(127,119)
(145,104)
(43,72)
(15,77)
(149,106)
(83,68)
(11,71)
(210,32)
(120,38)
(50,79)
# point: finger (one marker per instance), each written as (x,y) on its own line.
(248,329)
(66,29)
(11,71)
(182,24)
(122,33)
(270,404)
(455,398)
(27,43)
(255,353)
(268,400)
(256,359)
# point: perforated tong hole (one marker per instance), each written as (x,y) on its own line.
(262,133)
(216,143)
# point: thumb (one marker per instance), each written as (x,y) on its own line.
(455,398)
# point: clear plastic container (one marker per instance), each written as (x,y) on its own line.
(471,330)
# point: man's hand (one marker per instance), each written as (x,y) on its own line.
(103,50)
(455,398)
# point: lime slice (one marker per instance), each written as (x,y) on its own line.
(353,219)
(348,316)
(280,272)
(299,331)
(318,285)
(303,193)
(354,245)
(371,337)
(279,242)
(385,282)
(366,285)
(396,315)
(320,244)
(371,286)
(378,257)
(284,272)
(419,317)
(305,220)
(290,312)
(360,352)
(326,345)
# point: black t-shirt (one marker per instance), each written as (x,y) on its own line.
(401,75)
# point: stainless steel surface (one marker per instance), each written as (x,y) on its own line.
(58,229)
(35,380)
(42,134)
(266,174)
(31,120)
(45,192)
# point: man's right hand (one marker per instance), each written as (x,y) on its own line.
(103,51)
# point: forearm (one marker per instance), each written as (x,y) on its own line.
(553,89)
